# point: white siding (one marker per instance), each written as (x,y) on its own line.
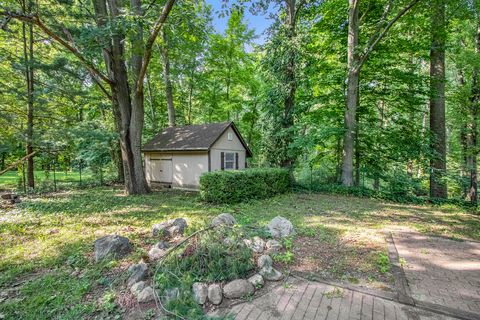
(225,145)
(187,167)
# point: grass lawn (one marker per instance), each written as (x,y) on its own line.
(46,242)
(9,180)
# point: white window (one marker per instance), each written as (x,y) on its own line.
(230,136)
(229,160)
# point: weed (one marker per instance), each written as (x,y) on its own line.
(335,293)
(383,262)
(287,257)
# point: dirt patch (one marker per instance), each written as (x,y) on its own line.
(346,259)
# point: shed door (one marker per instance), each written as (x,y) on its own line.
(162,170)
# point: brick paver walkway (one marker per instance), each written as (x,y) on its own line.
(302,300)
(441,271)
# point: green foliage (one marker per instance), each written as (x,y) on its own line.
(243,185)
(383,262)
(206,259)
(400,197)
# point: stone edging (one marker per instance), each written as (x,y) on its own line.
(401,284)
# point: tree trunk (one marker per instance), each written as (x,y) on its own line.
(290,84)
(127,108)
(28,57)
(473,130)
(438,168)
(167,80)
(352,94)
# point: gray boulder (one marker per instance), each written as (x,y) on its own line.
(155,253)
(273,246)
(280,227)
(146,295)
(200,292)
(215,293)
(162,245)
(225,219)
(256,244)
(271,274)
(136,288)
(112,247)
(264,261)
(170,228)
(237,289)
(256,280)
(138,272)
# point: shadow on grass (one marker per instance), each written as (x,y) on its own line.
(57,287)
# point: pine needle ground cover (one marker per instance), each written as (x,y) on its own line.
(46,242)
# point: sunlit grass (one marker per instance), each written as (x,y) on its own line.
(46,238)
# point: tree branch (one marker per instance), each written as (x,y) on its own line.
(151,40)
(35,19)
(372,44)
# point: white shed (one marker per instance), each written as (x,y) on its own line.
(178,156)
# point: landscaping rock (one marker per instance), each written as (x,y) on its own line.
(146,295)
(162,245)
(112,246)
(224,219)
(237,289)
(264,261)
(200,292)
(273,246)
(170,228)
(215,293)
(256,280)
(138,272)
(280,227)
(271,274)
(256,244)
(155,253)
(171,294)
(136,288)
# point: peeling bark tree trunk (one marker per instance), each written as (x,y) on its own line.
(438,168)
(167,80)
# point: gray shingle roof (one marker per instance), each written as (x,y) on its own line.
(199,137)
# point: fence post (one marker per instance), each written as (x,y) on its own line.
(54,175)
(80,171)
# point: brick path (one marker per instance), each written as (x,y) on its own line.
(303,300)
(441,271)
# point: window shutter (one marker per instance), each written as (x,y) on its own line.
(236,160)
(222,160)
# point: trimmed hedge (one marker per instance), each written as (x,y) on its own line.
(242,185)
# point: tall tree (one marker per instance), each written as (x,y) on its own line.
(438,165)
(357,56)
(126,93)
(166,78)
(28,53)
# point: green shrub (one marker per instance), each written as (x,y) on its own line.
(237,186)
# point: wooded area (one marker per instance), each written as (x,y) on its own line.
(377,94)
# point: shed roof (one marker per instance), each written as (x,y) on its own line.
(199,137)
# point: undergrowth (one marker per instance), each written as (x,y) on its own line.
(218,255)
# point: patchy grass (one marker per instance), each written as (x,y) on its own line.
(46,242)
